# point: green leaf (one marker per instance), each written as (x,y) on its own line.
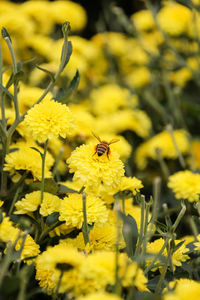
(50,74)
(13,150)
(52,218)
(176,247)
(69,53)
(63,189)
(130,234)
(37,150)
(63,95)
(50,186)
(1,217)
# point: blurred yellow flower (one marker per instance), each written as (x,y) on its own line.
(54,260)
(143,20)
(27,159)
(100,296)
(178,256)
(164,143)
(185,185)
(9,233)
(131,184)
(96,173)
(101,238)
(197,244)
(174,18)
(48,120)
(184,289)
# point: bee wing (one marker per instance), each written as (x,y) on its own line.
(96,136)
(114,141)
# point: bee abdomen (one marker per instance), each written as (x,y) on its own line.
(101,149)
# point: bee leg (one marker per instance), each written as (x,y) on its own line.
(95,151)
(108,153)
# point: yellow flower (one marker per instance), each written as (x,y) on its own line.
(8,233)
(139,77)
(100,296)
(109,98)
(31,202)
(184,289)
(68,10)
(48,120)
(50,264)
(143,20)
(185,185)
(174,19)
(27,159)
(131,184)
(28,95)
(197,244)
(71,210)
(181,76)
(178,256)
(101,238)
(164,143)
(1,203)
(127,119)
(98,271)
(196,153)
(96,173)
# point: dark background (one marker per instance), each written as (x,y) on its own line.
(96,10)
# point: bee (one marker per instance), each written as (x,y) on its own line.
(103,146)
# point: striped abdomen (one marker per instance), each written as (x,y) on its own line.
(102,148)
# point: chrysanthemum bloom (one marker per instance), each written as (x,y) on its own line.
(179,18)
(184,289)
(71,210)
(143,20)
(101,238)
(127,119)
(109,98)
(27,159)
(178,256)
(100,296)
(96,173)
(164,143)
(9,233)
(52,262)
(197,244)
(196,154)
(98,270)
(48,120)
(130,184)
(185,185)
(31,202)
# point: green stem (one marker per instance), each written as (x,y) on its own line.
(142,216)
(14,63)
(43,169)
(117,286)
(57,161)
(14,200)
(180,156)
(163,165)
(85,230)
(178,219)
(58,285)
(50,228)
(157,256)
